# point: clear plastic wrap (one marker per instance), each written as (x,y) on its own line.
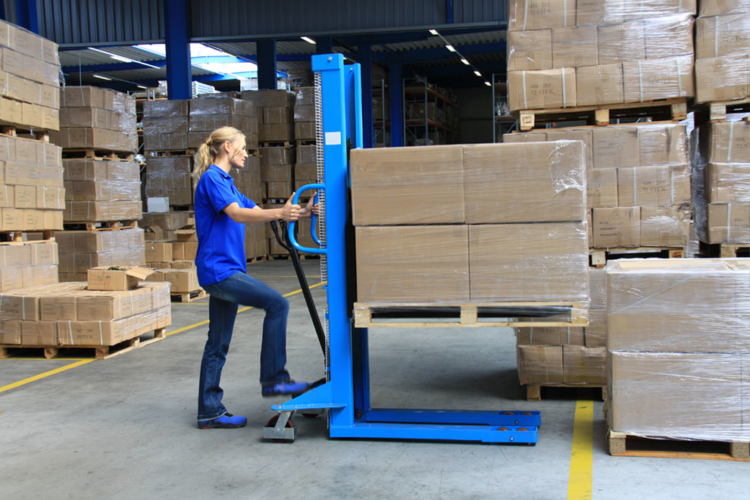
(166,109)
(82,250)
(27,265)
(170,177)
(562,54)
(102,211)
(570,365)
(678,341)
(168,221)
(720,7)
(102,191)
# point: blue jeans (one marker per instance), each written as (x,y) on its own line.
(222,311)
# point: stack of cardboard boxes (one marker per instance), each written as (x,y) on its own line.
(31,264)
(275,114)
(567,53)
(170,177)
(99,120)
(638,183)
(722,51)
(84,250)
(721,177)
(71,315)
(679,349)
(32,194)
(209,113)
(489,223)
(304,115)
(166,125)
(30,77)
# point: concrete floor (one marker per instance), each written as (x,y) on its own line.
(124,428)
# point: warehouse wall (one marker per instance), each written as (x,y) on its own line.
(475,115)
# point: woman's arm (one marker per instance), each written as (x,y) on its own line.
(289,212)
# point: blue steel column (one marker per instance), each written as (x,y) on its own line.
(266,50)
(397,117)
(26,15)
(331,68)
(324,45)
(364,56)
(177,37)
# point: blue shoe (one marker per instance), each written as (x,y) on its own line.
(226,421)
(289,388)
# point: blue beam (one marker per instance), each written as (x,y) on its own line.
(177,38)
(364,57)
(266,50)
(448,12)
(96,68)
(397,123)
(3,17)
(26,15)
(324,45)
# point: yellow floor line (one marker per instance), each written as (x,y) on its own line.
(44,375)
(581,455)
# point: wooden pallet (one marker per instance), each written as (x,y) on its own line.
(309,142)
(534,392)
(600,256)
(515,314)
(16,237)
(169,154)
(724,250)
(716,112)
(182,208)
(665,109)
(24,132)
(275,144)
(260,258)
(622,444)
(189,297)
(286,256)
(97,154)
(95,227)
(100,352)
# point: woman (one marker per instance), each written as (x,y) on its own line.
(221,213)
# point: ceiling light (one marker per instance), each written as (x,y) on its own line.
(465,61)
(308,40)
(450,47)
(120,58)
(102,77)
(478,74)
(142,87)
(434,32)
(488,84)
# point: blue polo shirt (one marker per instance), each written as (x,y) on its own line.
(221,241)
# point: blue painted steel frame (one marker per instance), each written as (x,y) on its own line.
(347,394)
(177,46)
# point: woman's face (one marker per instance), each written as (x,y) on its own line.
(238,152)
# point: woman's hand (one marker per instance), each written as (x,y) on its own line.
(291,212)
(310,208)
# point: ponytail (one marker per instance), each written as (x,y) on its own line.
(210,149)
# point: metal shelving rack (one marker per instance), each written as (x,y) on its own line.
(501,124)
(382,126)
(426,130)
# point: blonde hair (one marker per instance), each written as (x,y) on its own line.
(210,150)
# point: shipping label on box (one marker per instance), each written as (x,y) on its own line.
(617,227)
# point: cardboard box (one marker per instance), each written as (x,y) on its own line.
(307,155)
(538,14)
(182,280)
(616,147)
(722,36)
(658,79)
(270,157)
(184,250)
(270,116)
(529,50)
(667,227)
(269,98)
(433,194)
(598,12)
(688,396)
(726,223)
(679,305)
(304,113)
(570,134)
(574,47)
(617,227)
(544,89)
(662,145)
(166,108)
(728,142)
(599,85)
(415,264)
(653,186)
(596,332)
(532,262)
(541,182)
(279,190)
(277,173)
(276,132)
(98,211)
(720,7)
(39,333)
(722,78)
(669,36)
(619,43)
(584,365)
(305,96)
(304,131)
(116,278)
(549,336)
(540,364)
(158,251)
(170,221)
(728,182)
(601,188)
